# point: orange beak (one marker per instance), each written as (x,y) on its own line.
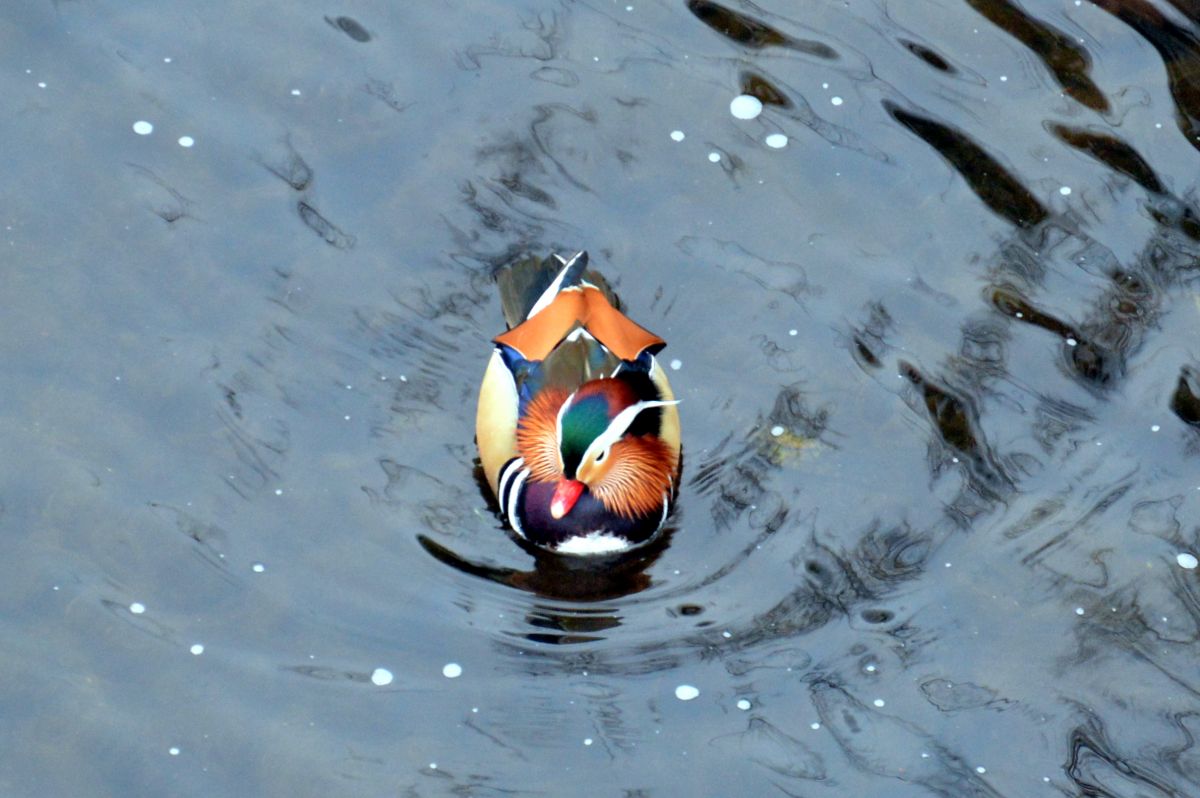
(566,493)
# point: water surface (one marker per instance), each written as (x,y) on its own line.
(937,355)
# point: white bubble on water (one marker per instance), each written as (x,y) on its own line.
(258,568)
(776,141)
(1065,191)
(173,750)
(452,670)
(143,128)
(745,106)
(686,692)
(677,135)
(714,156)
(776,431)
(1079,610)
(381,677)
(836,100)
(676,364)
(137,608)
(743,704)
(197,649)
(1186,560)
(186,141)
(814,725)
(879,702)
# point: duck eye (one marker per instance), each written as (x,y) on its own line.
(600,457)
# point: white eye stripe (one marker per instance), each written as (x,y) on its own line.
(619,425)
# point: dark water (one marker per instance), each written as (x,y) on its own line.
(938,359)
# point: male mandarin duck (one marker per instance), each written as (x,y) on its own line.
(577,428)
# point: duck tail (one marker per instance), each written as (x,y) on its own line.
(529,284)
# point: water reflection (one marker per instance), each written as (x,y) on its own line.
(1179,49)
(1096,768)
(351,28)
(1122,158)
(588,579)
(768,746)
(757,85)
(753,33)
(929,56)
(1111,151)
(999,189)
(1065,59)
(935,533)
(1036,357)
(957,425)
(883,745)
(1185,402)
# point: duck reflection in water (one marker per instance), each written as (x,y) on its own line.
(567,578)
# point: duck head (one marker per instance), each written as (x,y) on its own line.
(598,439)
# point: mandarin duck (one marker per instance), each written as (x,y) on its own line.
(577,428)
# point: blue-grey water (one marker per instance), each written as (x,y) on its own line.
(939,357)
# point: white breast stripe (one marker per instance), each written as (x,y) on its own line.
(666,509)
(506,473)
(513,495)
